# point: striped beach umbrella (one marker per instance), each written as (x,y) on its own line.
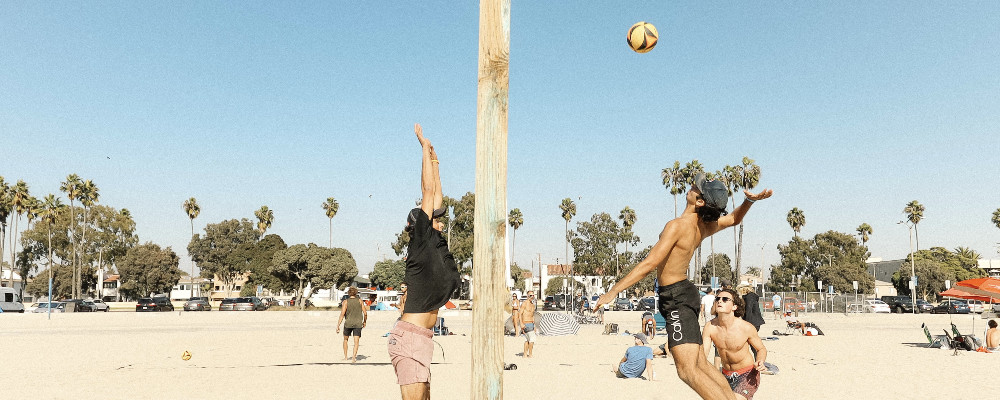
(557,324)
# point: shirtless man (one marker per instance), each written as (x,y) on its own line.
(733,338)
(992,336)
(703,216)
(402,299)
(528,318)
(432,273)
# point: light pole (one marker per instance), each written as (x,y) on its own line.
(913,270)
(821,296)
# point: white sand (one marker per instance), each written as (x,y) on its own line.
(279,355)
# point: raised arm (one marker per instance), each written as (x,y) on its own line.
(737,215)
(436,166)
(427,184)
(657,255)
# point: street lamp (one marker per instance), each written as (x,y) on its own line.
(913,270)
(821,296)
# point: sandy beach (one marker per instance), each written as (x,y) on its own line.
(285,355)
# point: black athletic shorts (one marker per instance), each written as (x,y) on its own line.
(352,332)
(679,304)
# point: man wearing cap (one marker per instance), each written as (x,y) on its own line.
(704,215)
(431,277)
(638,359)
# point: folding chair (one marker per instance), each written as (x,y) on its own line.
(932,343)
(954,343)
(971,341)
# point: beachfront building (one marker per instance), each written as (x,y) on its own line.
(220,291)
(589,284)
(182,290)
(992,267)
(109,288)
(5,279)
(882,271)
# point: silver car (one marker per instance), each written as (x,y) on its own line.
(56,307)
(99,305)
(198,304)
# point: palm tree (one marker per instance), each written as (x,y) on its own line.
(515,219)
(89,194)
(673,180)
(4,213)
(865,231)
(627,215)
(914,213)
(690,173)
(749,178)
(996,218)
(18,196)
(50,210)
(72,187)
(192,209)
(732,176)
(264,219)
(330,206)
(968,253)
(796,219)
(568,209)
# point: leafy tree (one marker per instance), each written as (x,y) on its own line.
(515,219)
(796,219)
(212,250)
(89,194)
(996,218)
(568,209)
(460,231)
(388,273)
(62,282)
(936,265)
(314,266)
(865,231)
(647,283)
(256,257)
(594,245)
(517,274)
(809,258)
(554,286)
(264,219)
(914,213)
(673,180)
(722,266)
(330,207)
(147,269)
(627,216)
(72,187)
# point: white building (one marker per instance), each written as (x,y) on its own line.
(5,280)
(182,290)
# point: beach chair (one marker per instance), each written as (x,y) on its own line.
(971,342)
(932,342)
(953,344)
(661,323)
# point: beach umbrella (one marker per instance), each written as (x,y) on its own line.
(964,293)
(557,324)
(991,285)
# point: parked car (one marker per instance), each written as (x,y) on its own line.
(99,305)
(923,306)
(647,304)
(268,301)
(975,306)
(554,303)
(876,306)
(154,304)
(44,307)
(899,304)
(78,305)
(252,303)
(622,304)
(951,306)
(227,304)
(198,304)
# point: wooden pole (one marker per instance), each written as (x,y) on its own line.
(491,200)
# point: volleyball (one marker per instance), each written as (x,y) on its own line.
(642,37)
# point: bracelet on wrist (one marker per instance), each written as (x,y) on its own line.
(750,200)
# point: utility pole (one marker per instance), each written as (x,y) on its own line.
(491,200)
(913,269)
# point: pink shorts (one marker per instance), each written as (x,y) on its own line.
(410,350)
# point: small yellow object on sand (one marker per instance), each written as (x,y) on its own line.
(186,356)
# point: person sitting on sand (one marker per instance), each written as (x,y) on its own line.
(793,322)
(733,338)
(638,359)
(992,336)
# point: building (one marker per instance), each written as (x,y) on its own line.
(109,288)
(220,291)
(883,271)
(586,283)
(182,290)
(992,267)
(5,280)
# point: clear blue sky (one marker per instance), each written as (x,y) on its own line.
(850,110)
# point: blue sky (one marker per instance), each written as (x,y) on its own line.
(851,110)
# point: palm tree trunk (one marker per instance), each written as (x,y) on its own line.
(13,249)
(50,263)
(3,236)
(916,236)
(331,233)
(72,239)
(675,206)
(739,256)
(83,239)
(192,261)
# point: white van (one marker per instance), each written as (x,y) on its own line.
(10,301)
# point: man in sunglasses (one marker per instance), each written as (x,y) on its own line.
(733,338)
(704,215)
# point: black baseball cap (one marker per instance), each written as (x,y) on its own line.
(713,191)
(418,212)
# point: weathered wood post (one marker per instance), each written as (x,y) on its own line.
(490,286)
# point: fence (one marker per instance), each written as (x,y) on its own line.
(815,302)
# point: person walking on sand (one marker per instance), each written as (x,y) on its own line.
(734,338)
(706,305)
(431,276)
(515,313)
(357,317)
(704,215)
(776,304)
(528,318)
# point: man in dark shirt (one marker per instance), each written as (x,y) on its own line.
(431,277)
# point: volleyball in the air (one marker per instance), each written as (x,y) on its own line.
(642,37)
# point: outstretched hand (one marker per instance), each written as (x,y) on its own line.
(759,196)
(606,298)
(420,135)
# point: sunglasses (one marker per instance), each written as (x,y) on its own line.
(723,299)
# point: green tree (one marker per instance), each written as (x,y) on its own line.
(568,209)
(18,196)
(647,283)
(89,194)
(256,258)
(212,250)
(264,219)
(594,245)
(673,180)
(4,213)
(192,209)
(49,212)
(796,219)
(996,218)
(914,213)
(515,219)
(717,264)
(388,273)
(554,286)
(25,264)
(330,207)
(690,173)
(62,282)
(865,231)
(315,266)
(749,178)
(810,259)
(517,274)
(148,269)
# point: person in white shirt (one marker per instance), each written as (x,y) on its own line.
(706,305)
